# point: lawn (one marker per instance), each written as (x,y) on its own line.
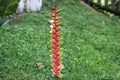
(91,45)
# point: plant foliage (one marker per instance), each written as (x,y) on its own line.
(8,7)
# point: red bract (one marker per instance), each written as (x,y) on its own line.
(57,18)
(53,8)
(53,32)
(54,52)
(57,40)
(55,35)
(54,46)
(53,15)
(54,42)
(57,50)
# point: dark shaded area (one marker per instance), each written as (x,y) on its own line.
(114,11)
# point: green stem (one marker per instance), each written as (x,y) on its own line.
(6,8)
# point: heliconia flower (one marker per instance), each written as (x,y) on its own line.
(55,43)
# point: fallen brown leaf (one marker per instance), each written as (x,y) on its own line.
(40,65)
(25,75)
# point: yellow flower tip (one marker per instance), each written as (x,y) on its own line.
(61,59)
(60,43)
(61,48)
(62,66)
(60,76)
(50,31)
(50,55)
(60,38)
(51,26)
(59,23)
(58,10)
(60,52)
(51,21)
(52,70)
(52,66)
(51,41)
(53,75)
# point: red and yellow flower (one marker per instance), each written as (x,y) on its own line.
(56,44)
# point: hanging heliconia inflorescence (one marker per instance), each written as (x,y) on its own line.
(56,49)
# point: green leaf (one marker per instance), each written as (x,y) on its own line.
(8,7)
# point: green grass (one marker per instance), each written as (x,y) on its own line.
(91,46)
